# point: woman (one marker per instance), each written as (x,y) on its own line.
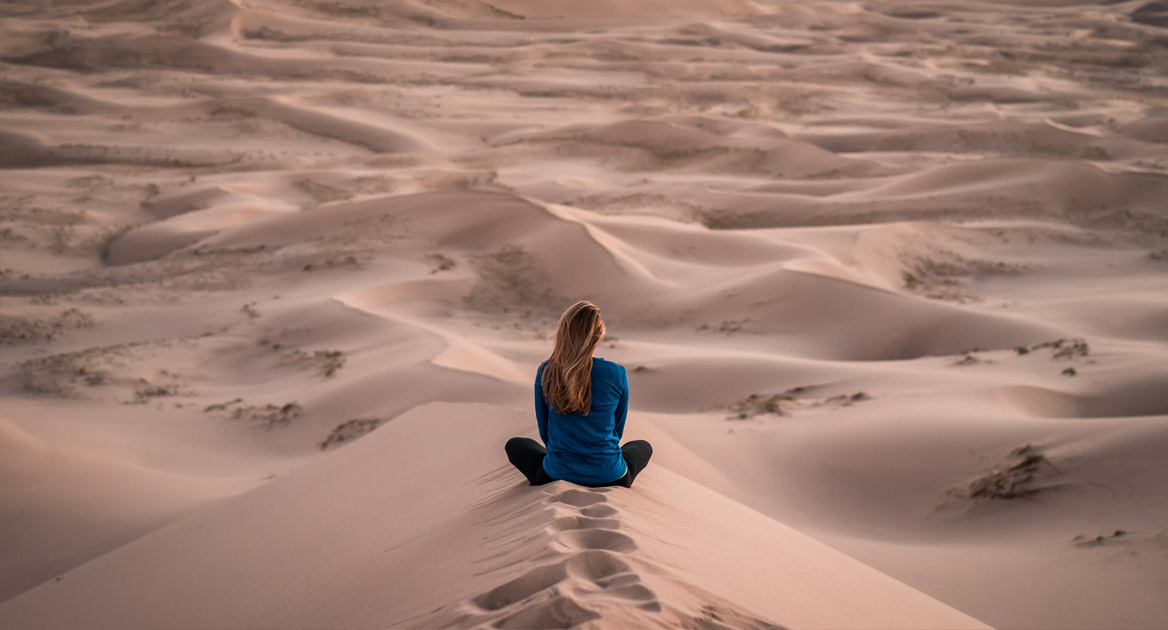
(580,406)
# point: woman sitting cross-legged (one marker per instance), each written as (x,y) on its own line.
(581,403)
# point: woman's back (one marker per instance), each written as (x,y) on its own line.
(586,448)
(583,443)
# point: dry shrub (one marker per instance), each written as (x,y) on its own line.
(1012,480)
(350,430)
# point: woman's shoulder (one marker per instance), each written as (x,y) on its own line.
(612,367)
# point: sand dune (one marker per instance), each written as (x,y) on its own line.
(558,555)
(888,279)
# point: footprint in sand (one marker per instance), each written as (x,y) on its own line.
(567,523)
(599,511)
(593,565)
(578,498)
(522,587)
(597,539)
(558,612)
(588,560)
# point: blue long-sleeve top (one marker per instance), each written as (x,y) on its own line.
(586,448)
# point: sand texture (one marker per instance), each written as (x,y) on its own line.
(890,281)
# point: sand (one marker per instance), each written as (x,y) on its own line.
(890,281)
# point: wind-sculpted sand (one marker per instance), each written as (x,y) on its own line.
(890,280)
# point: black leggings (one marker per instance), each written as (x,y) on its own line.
(527,455)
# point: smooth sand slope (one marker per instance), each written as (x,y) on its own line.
(319,549)
(890,280)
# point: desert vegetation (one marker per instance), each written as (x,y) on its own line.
(350,430)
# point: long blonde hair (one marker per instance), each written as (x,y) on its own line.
(567,377)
